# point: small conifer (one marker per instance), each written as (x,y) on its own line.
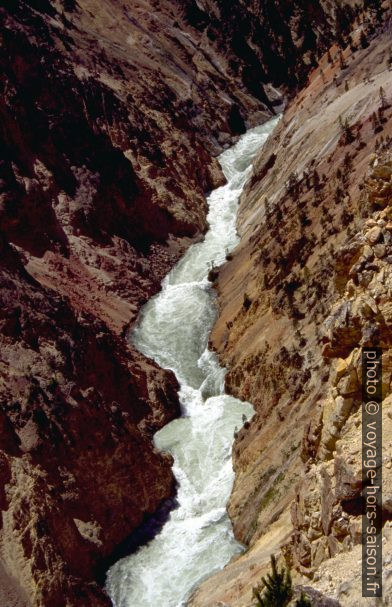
(276,590)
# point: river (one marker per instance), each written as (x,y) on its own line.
(173,329)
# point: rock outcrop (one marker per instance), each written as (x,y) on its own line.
(326,512)
(305,289)
(77,466)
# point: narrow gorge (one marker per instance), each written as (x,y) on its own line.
(117,123)
(174,331)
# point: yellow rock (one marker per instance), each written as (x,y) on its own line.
(340,370)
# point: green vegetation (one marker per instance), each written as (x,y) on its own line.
(247,302)
(276,590)
(272,492)
(52,384)
(346,129)
(303,601)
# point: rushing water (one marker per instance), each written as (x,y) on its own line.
(173,330)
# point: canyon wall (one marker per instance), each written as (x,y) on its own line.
(307,287)
(111,115)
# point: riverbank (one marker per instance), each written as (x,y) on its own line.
(298,215)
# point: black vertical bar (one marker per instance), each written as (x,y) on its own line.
(371,472)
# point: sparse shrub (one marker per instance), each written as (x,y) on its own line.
(303,601)
(346,130)
(383,99)
(276,590)
(364,42)
(246,304)
(52,384)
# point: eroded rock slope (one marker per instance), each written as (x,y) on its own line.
(305,289)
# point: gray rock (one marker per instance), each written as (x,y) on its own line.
(380,250)
(365,278)
(316,598)
(368,252)
(348,384)
(374,235)
(344,588)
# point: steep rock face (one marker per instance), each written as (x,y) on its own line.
(90,159)
(109,117)
(293,220)
(276,42)
(304,242)
(332,454)
(78,468)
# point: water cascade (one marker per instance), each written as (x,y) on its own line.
(173,329)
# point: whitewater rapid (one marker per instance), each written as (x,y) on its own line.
(173,329)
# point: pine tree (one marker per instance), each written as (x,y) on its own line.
(293,185)
(347,163)
(341,60)
(377,126)
(383,99)
(379,12)
(363,40)
(352,45)
(344,16)
(361,143)
(316,180)
(247,302)
(347,131)
(276,590)
(348,135)
(376,7)
(267,212)
(303,601)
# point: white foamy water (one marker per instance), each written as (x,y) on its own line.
(173,329)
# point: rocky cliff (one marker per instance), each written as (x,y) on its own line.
(305,289)
(111,115)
